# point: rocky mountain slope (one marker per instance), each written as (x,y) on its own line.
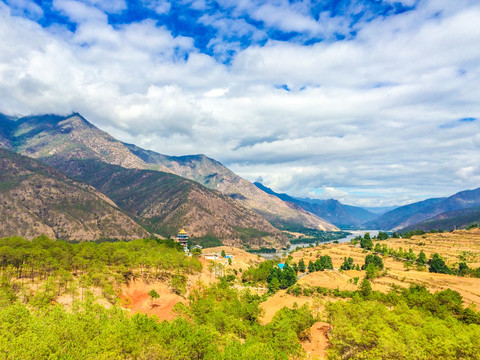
(164,203)
(56,139)
(343,216)
(214,175)
(38,200)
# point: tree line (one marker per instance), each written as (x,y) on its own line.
(219,322)
(60,267)
(436,264)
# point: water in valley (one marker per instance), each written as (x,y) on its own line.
(353,234)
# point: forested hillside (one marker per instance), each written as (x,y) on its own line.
(218,322)
(226,318)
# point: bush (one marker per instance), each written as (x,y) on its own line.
(373,259)
(437,265)
(366,242)
(347,264)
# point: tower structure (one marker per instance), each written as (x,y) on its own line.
(182,239)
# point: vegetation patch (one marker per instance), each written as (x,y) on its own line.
(207,241)
(311,235)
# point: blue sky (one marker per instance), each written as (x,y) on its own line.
(240,23)
(369,102)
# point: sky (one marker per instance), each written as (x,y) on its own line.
(373,103)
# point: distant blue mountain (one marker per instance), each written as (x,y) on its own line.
(408,216)
(396,218)
(343,216)
(380,210)
(457,219)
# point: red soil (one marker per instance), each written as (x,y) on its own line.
(316,347)
(135,297)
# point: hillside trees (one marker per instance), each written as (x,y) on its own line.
(366,242)
(258,274)
(70,267)
(220,322)
(382,235)
(373,259)
(347,264)
(437,265)
(422,258)
(286,277)
(372,330)
(322,263)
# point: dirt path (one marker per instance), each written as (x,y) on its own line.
(316,347)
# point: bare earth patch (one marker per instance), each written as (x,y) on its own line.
(135,297)
(316,347)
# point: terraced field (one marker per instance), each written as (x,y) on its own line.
(457,246)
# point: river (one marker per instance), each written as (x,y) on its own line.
(353,234)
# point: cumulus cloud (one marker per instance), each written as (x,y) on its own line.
(161,7)
(375,119)
(79,12)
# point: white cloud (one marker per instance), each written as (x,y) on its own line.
(110,6)
(366,120)
(79,12)
(285,19)
(161,7)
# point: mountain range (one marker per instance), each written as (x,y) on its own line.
(54,139)
(456,211)
(158,194)
(161,193)
(343,216)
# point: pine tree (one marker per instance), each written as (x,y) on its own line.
(301,265)
(437,265)
(153,295)
(366,288)
(422,258)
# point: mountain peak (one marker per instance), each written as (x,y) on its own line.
(56,139)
